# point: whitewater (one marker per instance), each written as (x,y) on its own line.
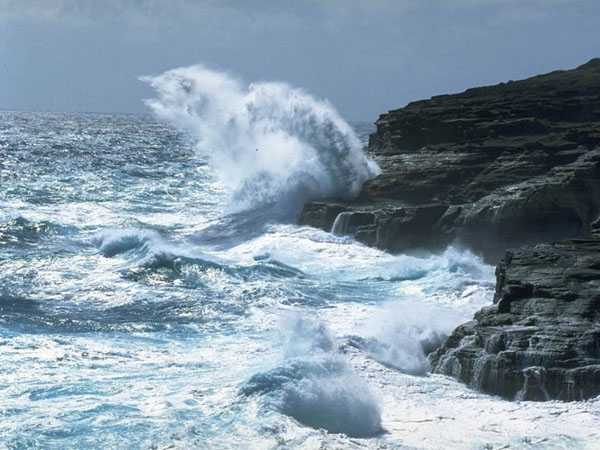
(156,293)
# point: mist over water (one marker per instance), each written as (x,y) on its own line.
(142,305)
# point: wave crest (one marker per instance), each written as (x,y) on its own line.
(19,230)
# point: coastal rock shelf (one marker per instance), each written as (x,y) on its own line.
(491,168)
(541,338)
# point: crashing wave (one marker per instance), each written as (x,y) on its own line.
(269,142)
(114,242)
(149,249)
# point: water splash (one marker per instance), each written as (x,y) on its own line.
(404,332)
(269,142)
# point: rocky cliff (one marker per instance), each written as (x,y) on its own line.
(541,338)
(491,168)
(517,164)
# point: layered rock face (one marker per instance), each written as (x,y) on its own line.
(541,338)
(492,168)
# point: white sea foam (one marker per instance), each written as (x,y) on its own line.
(342,258)
(151,346)
(406,330)
(268,142)
(429,297)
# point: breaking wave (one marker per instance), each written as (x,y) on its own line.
(269,142)
(405,332)
(315,385)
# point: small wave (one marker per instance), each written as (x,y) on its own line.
(236,228)
(115,242)
(462,264)
(11,303)
(171,259)
(152,258)
(19,230)
(29,314)
(271,268)
(149,254)
(316,386)
(140,171)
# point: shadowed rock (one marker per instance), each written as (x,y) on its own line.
(493,167)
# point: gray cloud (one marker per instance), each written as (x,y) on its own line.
(176,9)
(365,56)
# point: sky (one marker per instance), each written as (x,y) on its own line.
(364,56)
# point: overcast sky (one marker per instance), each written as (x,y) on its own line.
(365,56)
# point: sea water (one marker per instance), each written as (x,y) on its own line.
(155,292)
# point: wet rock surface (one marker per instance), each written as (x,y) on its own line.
(540,340)
(501,166)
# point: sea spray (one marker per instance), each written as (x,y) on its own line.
(269,142)
(405,331)
(96,356)
(315,385)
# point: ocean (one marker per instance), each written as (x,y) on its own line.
(156,292)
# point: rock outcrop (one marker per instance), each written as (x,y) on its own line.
(493,167)
(512,165)
(540,339)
